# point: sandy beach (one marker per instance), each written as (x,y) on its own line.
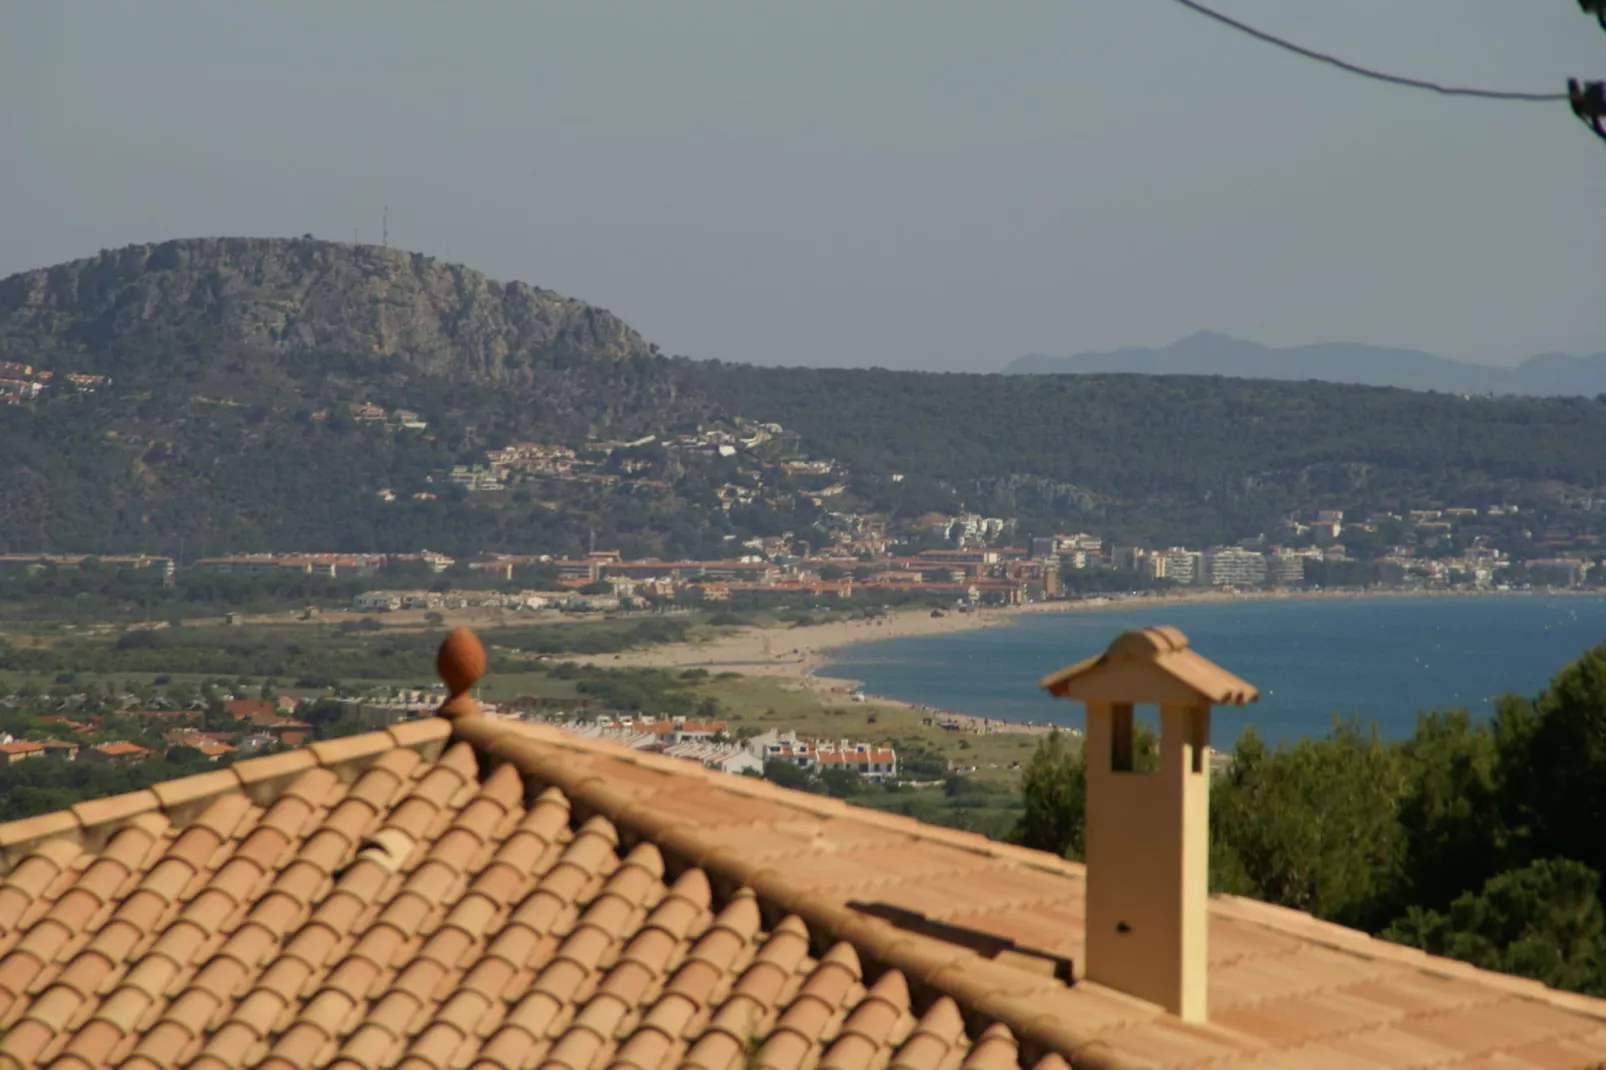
(798,651)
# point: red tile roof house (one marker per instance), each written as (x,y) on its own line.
(466,891)
(20,750)
(257,711)
(117,750)
(66,722)
(289,733)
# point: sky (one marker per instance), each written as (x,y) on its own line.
(936,184)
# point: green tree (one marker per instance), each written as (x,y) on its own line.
(1054,791)
(788,775)
(842,783)
(1315,825)
(1553,766)
(1448,809)
(1543,921)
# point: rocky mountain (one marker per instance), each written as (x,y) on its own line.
(272,296)
(1206,353)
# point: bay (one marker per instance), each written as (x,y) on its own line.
(1378,659)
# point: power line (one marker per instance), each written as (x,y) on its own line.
(1366,72)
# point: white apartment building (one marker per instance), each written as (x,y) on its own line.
(1285,568)
(1091,544)
(1228,566)
(1180,566)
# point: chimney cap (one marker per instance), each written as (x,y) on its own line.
(1149,665)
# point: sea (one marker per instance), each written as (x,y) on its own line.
(1378,660)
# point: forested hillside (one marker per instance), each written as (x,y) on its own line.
(233,366)
(1153,454)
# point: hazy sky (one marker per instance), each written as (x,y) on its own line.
(916,183)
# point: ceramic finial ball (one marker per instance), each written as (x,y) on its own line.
(461,661)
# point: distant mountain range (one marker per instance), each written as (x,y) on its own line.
(1206,353)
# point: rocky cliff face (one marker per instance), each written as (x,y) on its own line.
(278,296)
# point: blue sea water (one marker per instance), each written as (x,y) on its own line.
(1381,659)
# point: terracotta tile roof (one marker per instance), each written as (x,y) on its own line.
(120,748)
(471,892)
(252,709)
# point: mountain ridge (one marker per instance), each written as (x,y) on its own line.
(245,375)
(1211,353)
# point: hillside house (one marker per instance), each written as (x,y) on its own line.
(115,751)
(20,750)
(258,711)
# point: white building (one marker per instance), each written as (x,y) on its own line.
(873,762)
(1091,544)
(726,757)
(1228,566)
(1285,568)
(1180,566)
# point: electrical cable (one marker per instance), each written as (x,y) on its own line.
(1366,72)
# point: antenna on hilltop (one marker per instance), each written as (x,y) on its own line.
(384,228)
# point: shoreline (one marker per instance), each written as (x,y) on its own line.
(798,654)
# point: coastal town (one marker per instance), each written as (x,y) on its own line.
(845,559)
(955,570)
(975,564)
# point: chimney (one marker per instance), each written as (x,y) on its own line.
(1148,834)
